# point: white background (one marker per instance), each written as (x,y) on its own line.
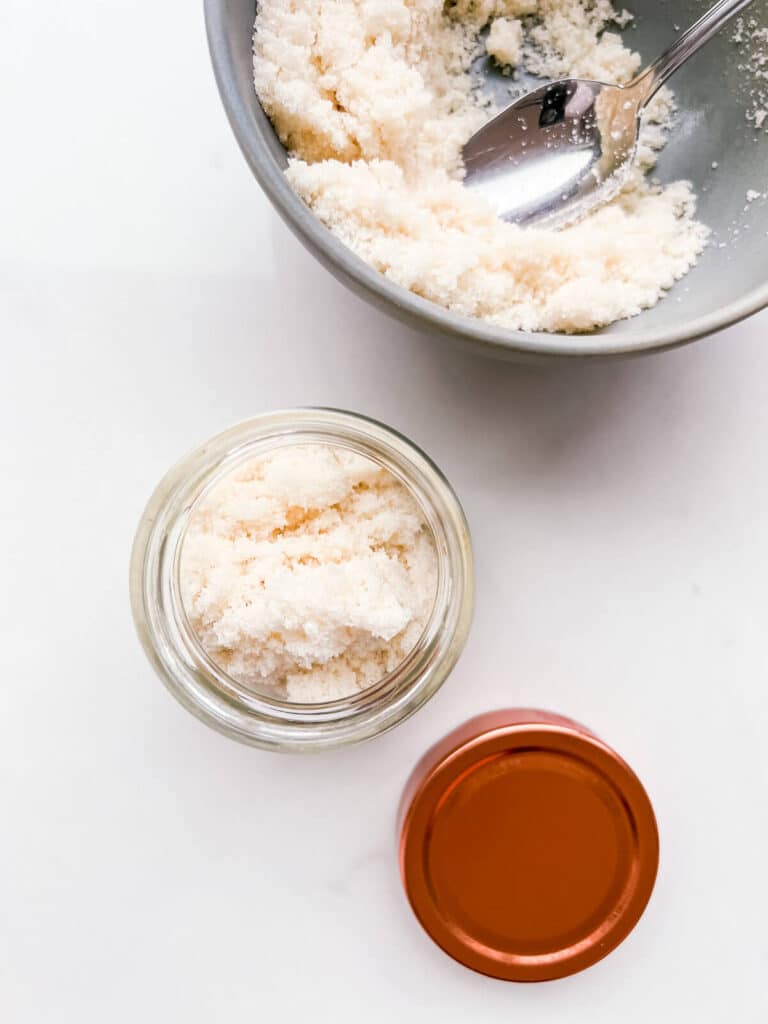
(154,871)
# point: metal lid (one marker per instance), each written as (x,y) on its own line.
(528,848)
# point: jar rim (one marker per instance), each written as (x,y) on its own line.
(206,689)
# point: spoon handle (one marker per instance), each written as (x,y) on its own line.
(655,75)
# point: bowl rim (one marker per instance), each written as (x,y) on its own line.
(393,298)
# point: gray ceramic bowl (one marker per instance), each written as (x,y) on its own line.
(712,93)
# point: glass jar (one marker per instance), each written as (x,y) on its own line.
(202,686)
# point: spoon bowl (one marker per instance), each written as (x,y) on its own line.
(556,153)
(567,147)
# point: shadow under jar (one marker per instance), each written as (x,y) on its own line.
(263,718)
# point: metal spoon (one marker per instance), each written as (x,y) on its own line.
(558,152)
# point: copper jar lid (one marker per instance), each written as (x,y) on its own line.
(528,848)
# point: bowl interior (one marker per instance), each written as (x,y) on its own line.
(713,91)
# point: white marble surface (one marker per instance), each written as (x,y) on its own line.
(154,871)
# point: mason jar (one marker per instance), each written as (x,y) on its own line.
(261,718)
